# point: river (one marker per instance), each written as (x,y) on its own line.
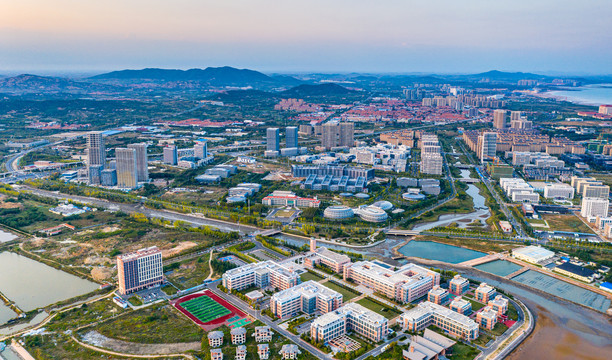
(31,284)
(481,213)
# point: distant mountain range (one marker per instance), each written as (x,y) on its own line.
(27,83)
(213,76)
(306,90)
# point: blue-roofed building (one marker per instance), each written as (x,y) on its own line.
(607,286)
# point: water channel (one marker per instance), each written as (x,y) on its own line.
(481,212)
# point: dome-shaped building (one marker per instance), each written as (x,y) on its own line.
(338,212)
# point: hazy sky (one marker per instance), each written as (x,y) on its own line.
(572,36)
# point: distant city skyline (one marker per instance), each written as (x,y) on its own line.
(391,36)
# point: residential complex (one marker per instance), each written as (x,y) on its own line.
(499,304)
(461,305)
(307,297)
(487,317)
(350,317)
(484,293)
(405,284)
(458,285)
(262,334)
(500,119)
(139,270)
(428,313)
(338,135)
(261,275)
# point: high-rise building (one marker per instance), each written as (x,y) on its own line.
(142,161)
(127,173)
(431,163)
(139,270)
(200,149)
(594,207)
(334,135)
(499,119)
(170,155)
(94,174)
(272,139)
(96,154)
(487,146)
(291,137)
(515,115)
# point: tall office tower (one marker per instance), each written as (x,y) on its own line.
(291,137)
(594,207)
(487,146)
(272,139)
(96,154)
(170,155)
(499,119)
(200,149)
(515,115)
(142,161)
(127,173)
(347,134)
(139,270)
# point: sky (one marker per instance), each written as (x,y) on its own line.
(383,36)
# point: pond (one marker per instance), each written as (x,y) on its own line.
(440,252)
(563,289)
(6,313)
(7,236)
(499,267)
(31,284)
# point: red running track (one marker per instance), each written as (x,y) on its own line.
(213,324)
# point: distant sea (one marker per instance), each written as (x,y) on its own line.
(596,94)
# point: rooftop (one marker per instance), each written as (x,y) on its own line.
(308,289)
(576,269)
(407,274)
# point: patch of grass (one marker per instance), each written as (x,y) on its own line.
(461,351)
(475,304)
(169,290)
(379,308)
(156,324)
(310,276)
(347,294)
(512,313)
(566,222)
(483,339)
(135,301)
(499,329)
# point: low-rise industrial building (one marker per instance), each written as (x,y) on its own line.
(532,254)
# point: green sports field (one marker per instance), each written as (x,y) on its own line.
(205,309)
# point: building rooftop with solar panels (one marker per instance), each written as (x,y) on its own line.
(532,254)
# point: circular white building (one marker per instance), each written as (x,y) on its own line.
(338,212)
(372,213)
(235,199)
(383,204)
(410,196)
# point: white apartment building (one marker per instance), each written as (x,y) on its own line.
(554,191)
(428,313)
(261,274)
(405,284)
(594,207)
(596,191)
(306,297)
(431,163)
(350,317)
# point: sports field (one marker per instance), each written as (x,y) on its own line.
(210,311)
(205,309)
